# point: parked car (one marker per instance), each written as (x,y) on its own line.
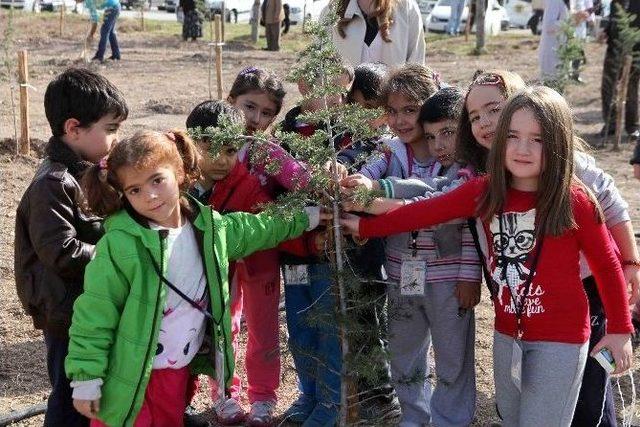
(171,5)
(439,17)
(53,5)
(27,5)
(234,10)
(426,6)
(298,8)
(520,11)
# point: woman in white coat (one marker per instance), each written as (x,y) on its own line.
(555,13)
(387,31)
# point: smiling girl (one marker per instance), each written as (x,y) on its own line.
(155,306)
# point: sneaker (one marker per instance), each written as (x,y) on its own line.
(192,419)
(381,411)
(299,410)
(323,415)
(261,414)
(229,412)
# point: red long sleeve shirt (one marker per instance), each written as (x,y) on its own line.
(556,307)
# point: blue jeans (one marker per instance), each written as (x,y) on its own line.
(457,7)
(108,33)
(313,335)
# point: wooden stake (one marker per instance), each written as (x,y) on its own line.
(23,74)
(622,100)
(63,8)
(218,48)
(142,17)
(224,18)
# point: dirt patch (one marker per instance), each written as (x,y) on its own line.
(169,106)
(8,147)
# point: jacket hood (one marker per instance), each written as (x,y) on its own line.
(129,221)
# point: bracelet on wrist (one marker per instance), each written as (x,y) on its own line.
(633,262)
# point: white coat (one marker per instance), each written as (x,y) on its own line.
(555,13)
(406,34)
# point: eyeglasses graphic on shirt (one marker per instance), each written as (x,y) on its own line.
(523,240)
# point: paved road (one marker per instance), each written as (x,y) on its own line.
(154,14)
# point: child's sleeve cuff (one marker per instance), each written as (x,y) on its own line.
(87,390)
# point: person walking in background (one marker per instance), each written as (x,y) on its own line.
(611,70)
(286,23)
(272,15)
(457,7)
(108,28)
(192,24)
(379,31)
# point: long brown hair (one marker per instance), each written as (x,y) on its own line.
(145,149)
(382,10)
(468,149)
(554,214)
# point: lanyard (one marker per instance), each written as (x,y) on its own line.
(504,262)
(409,159)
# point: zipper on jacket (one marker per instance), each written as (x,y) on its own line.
(161,235)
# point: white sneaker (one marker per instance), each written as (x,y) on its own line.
(229,412)
(261,414)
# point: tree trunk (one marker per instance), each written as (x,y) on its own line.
(255,21)
(480,15)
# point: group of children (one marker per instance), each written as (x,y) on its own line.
(139,258)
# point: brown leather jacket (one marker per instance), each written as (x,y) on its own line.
(54,240)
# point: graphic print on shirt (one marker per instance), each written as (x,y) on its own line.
(510,251)
(179,341)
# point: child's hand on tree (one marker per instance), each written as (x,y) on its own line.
(468,294)
(351,182)
(620,347)
(350,224)
(88,408)
(342,169)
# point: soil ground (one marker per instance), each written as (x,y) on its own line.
(163,78)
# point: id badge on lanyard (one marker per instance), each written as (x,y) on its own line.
(296,275)
(413,271)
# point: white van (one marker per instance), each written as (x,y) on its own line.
(496,17)
(298,9)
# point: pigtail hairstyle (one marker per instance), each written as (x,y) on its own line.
(145,149)
(468,149)
(383,12)
(554,213)
(190,157)
(101,197)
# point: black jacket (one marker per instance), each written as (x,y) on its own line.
(54,240)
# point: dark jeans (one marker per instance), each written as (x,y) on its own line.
(108,33)
(596,397)
(60,411)
(611,71)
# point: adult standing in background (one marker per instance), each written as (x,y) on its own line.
(192,24)
(272,14)
(457,7)
(612,69)
(555,13)
(387,31)
(108,28)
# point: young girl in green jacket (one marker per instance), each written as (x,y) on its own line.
(155,307)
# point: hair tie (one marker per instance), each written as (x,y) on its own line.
(249,70)
(171,136)
(104,172)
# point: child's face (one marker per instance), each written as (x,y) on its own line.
(402,116)
(441,137)
(358,98)
(94,142)
(484,104)
(342,81)
(219,167)
(523,156)
(153,192)
(258,108)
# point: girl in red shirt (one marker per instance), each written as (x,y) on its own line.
(537,218)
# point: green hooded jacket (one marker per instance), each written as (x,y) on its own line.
(116,320)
